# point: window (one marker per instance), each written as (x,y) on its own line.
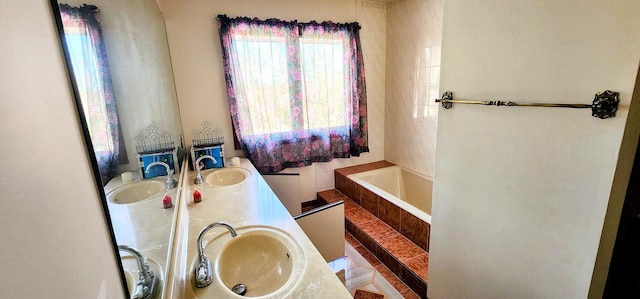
(296,91)
(86,50)
(267,91)
(323,82)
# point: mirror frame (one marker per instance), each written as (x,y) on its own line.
(88,144)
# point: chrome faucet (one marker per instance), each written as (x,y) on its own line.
(203,270)
(171,181)
(199,180)
(146,286)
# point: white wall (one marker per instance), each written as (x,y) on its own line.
(197,62)
(55,241)
(520,194)
(414,36)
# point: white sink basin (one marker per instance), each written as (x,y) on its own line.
(264,259)
(136,191)
(130,267)
(226,177)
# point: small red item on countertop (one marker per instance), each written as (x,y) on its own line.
(197,196)
(166,201)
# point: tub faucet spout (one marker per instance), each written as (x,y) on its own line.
(203,270)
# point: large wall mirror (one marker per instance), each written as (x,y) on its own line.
(119,66)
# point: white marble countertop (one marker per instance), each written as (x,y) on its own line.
(249,203)
(145,225)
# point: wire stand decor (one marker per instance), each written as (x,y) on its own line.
(153,142)
(604,105)
(207,137)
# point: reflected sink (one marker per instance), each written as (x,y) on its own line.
(136,191)
(130,267)
(266,260)
(227,177)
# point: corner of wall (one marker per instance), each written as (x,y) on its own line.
(617,196)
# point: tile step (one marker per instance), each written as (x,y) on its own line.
(403,257)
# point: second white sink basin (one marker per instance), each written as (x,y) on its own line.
(136,191)
(227,177)
(264,259)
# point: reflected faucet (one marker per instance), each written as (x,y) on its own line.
(171,181)
(203,270)
(199,180)
(146,286)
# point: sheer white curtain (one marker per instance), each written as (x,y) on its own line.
(85,45)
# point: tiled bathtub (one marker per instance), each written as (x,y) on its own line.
(399,197)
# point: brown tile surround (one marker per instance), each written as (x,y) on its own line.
(379,268)
(414,228)
(396,238)
(403,258)
(389,213)
(364,294)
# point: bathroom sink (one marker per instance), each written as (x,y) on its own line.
(227,177)
(266,260)
(136,191)
(130,267)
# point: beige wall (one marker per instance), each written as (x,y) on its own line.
(520,194)
(197,61)
(55,241)
(414,37)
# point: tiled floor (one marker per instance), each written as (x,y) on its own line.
(364,271)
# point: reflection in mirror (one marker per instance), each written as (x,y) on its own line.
(118,59)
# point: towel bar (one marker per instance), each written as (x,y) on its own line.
(604,104)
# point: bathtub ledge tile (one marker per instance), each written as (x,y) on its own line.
(350,204)
(330,195)
(352,190)
(401,248)
(359,216)
(414,282)
(414,229)
(378,230)
(389,213)
(419,265)
(369,201)
(388,260)
(366,241)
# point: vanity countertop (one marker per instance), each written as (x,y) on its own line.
(249,203)
(146,226)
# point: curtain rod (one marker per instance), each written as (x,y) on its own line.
(225,17)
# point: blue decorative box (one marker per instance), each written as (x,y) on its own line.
(216,151)
(144,160)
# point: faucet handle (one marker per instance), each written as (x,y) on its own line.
(203,272)
(171,182)
(198,180)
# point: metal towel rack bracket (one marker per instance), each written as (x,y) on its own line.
(605,104)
